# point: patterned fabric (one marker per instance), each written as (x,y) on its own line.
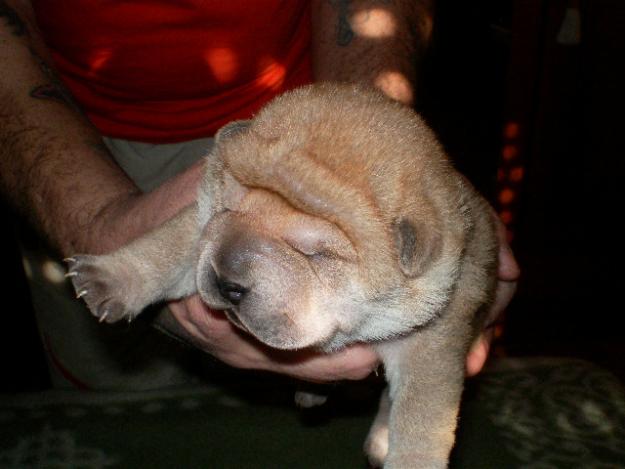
(539,414)
(544,414)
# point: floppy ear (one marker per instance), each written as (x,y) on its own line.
(418,244)
(232,190)
(219,189)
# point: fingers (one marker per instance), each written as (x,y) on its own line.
(352,363)
(209,328)
(503,295)
(509,270)
(219,337)
(479,352)
(359,361)
(507,275)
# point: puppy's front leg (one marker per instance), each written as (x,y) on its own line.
(426,375)
(156,266)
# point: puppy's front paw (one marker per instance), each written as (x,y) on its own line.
(99,286)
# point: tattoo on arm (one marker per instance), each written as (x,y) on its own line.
(13,20)
(344,33)
(54,90)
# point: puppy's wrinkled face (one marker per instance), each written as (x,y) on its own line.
(330,218)
(281,275)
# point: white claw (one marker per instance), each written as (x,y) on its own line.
(71,274)
(103,317)
(69,259)
(81,293)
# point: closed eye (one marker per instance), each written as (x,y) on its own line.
(320,255)
(308,253)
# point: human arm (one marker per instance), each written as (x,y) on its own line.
(54,167)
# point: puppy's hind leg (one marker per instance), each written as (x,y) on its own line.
(159,265)
(376,444)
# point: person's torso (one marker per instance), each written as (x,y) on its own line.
(159,71)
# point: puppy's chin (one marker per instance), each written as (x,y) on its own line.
(284,338)
(273,332)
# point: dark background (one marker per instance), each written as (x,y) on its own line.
(494,63)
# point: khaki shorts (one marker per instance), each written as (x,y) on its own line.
(86,354)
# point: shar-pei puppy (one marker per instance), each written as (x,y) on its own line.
(332,217)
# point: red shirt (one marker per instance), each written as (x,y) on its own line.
(165,71)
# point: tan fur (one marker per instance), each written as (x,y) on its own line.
(333,217)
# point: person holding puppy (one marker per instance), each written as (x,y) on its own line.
(113,147)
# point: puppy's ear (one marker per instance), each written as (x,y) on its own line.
(231,129)
(219,189)
(232,190)
(418,244)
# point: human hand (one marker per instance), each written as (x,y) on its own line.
(507,277)
(215,334)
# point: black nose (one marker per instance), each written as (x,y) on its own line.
(233,292)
